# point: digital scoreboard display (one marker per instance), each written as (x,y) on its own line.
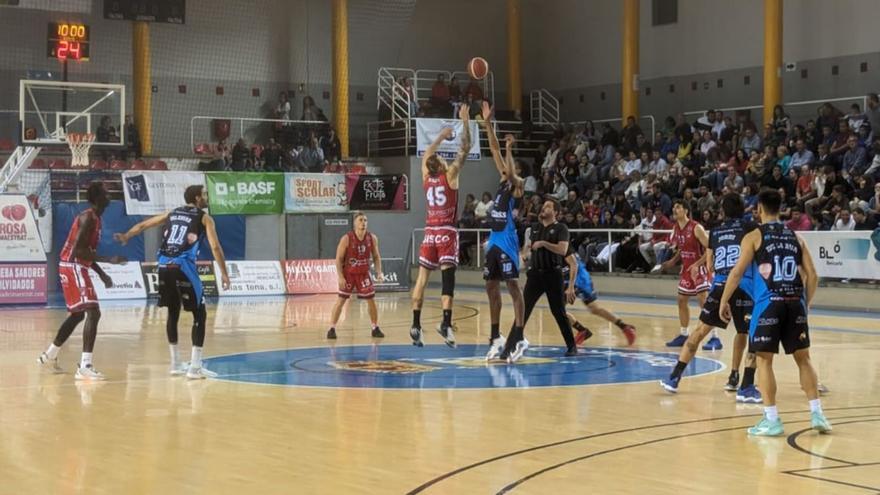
(68,41)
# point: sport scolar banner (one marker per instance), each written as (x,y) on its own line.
(23,283)
(315,193)
(19,235)
(151,193)
(427,131)
(376,192)
(255,193)
(854,254)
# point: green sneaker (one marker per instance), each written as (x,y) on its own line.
(819,422)
(767,428)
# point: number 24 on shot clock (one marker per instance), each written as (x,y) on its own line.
(68,41)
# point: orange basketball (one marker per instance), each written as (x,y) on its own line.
(478,68)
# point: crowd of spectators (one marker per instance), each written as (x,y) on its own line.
(826,168)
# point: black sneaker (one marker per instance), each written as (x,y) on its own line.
(377,334)
(572,351)
(331,334)
(732,381)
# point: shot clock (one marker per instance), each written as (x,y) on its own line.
(68,41)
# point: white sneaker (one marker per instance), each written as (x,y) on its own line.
(89,373)
(49,363)
(657,269)
(518,351)
(496,347)
(199,373)
(178,369)
(448,334)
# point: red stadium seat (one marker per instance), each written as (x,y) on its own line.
(118,165)
(59,164)
(6,144)
(158,165)
(38,164)
(99,165)
(138,165)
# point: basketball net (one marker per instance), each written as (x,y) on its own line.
(79,147)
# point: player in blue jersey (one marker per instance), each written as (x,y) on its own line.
(776,270)
(502,249)
(577,277)
(723,253)
(179,282)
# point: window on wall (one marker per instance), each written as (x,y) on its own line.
(664,12)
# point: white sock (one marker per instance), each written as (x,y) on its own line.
(816,405)
(175,356)
(771,413)
(375,325)
(52,351)
(714,334)
(86,360)
(196,357)
(684,331)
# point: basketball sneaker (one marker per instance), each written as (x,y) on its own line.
(822,389)
(629,332)
(714,344)
(496,345)
(670,384)
(89,373)
(416,334)
(732,381)
(819,422)
(331,334)
(767,428)
(582,336)
(571,352)
(518,351)
(377,333)
(49,363)
(749,395)
(448,334)
(199,373)
(677,341)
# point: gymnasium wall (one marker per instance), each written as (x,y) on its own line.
(579,53)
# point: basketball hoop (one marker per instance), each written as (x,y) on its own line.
(79,147)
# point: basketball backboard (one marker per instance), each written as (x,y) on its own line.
(48,110)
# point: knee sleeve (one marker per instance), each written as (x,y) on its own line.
(448,276)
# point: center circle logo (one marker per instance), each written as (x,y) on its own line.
(439,367)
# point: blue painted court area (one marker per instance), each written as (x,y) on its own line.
(439,367)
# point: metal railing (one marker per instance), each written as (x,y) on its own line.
(543,107)
(392,94)
(424,79)
(650,118)
(797,116)
(241,126)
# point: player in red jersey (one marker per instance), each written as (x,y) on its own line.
(691,240)
(77,256)
(353,268)
(440,246)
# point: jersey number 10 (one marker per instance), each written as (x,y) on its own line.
(785,269)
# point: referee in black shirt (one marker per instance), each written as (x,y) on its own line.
(549,244)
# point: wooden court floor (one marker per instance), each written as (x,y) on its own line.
(397,423)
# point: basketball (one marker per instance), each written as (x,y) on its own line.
(478,68)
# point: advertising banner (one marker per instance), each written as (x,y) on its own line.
(376,192)
(854,254)
(151,193)
(128,282)
(36,184)
(315,193)
(311,276)
(19,236)
(206,273)
(396,275)
(253,278)
(427,131)
(23,283)
(246,193)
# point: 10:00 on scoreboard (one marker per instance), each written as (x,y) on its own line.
(68,41)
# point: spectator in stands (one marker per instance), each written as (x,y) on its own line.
(804,189)
(630,132)
(132,139)
(440,96)
(311,112)
(560,188)
(311,157)
(844,221)
(776,180)
(802,156)
(733,182)
(781,123)
(706,122)
(633,163)
(331,146)
(812,135)
(643,146)
(659,201)
(769,136)
(799,222)
(530,185)
(222,153)
(750,141)
(874,204)
(855,158)
(863,191)
(708,143)
(685,147)
(474,93)
(282,109)
(589,176)
(454,90)
(272,156)
(872,114)
(783,159)
(855,118)
(828,116)
(839,145)
(865,219)
(823,157)
(706,200)
(240,156)
(481,210)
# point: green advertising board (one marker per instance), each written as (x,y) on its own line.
(245,193)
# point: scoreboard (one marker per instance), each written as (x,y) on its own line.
(68,41)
